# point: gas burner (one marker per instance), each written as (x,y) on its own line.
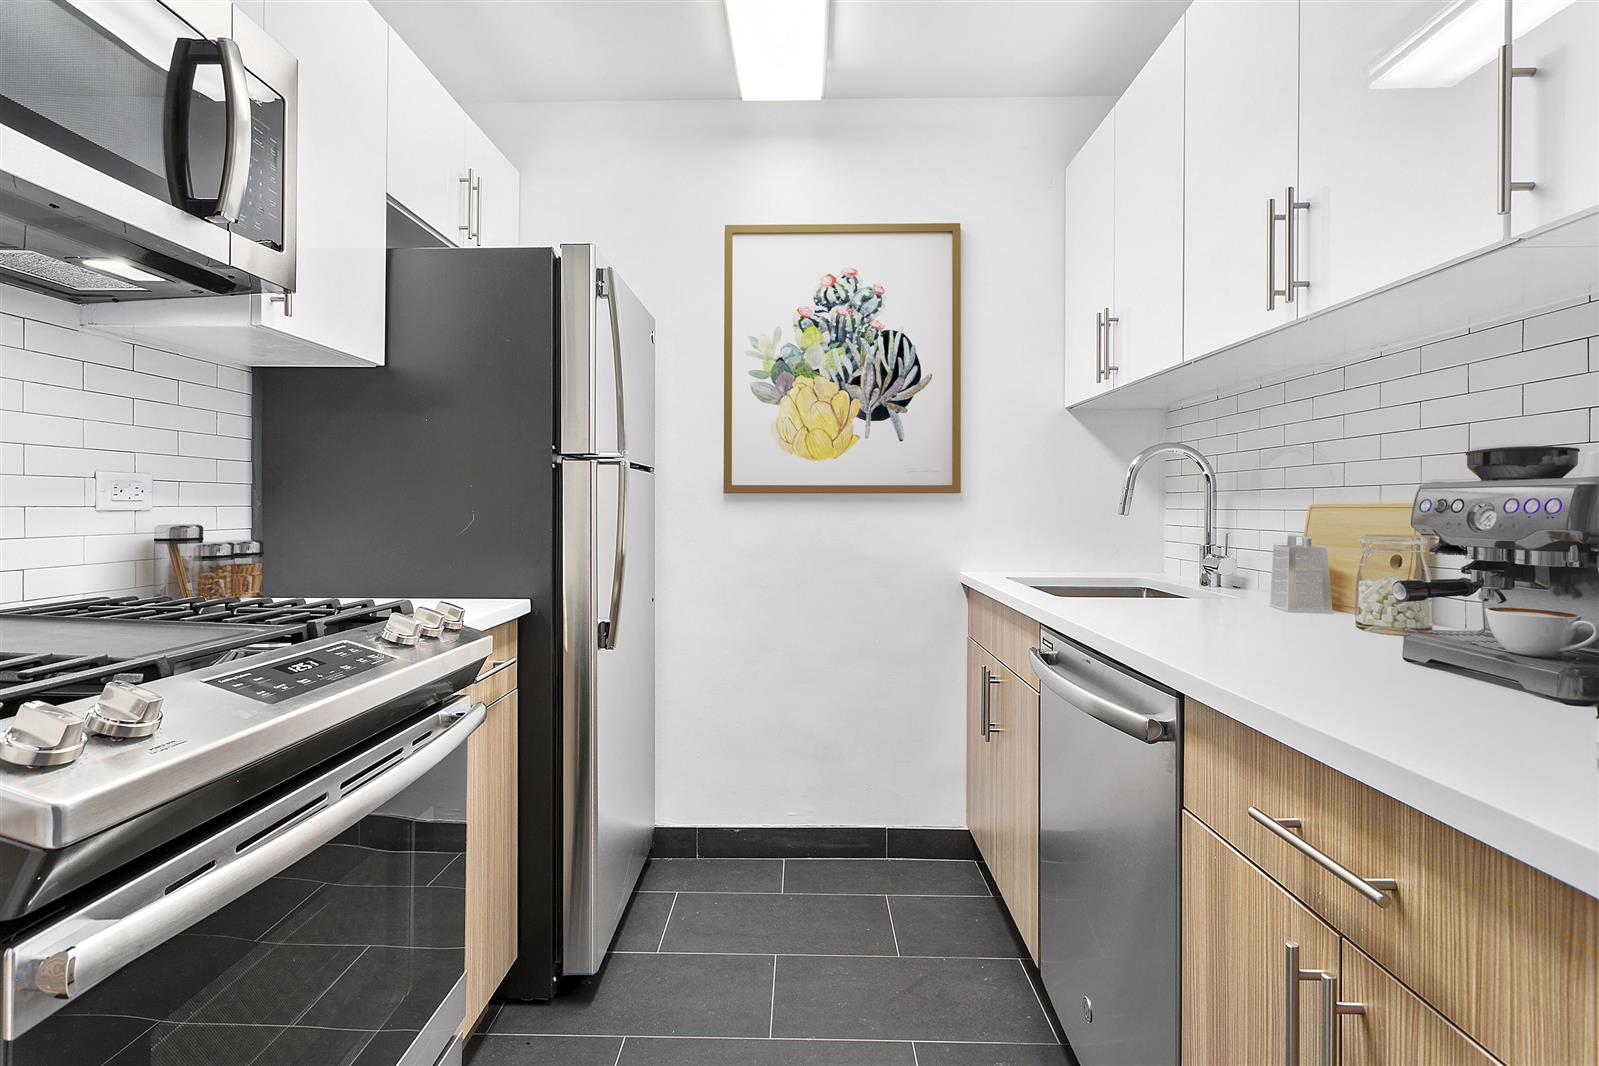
(59,652)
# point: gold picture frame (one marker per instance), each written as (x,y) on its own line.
(733,377)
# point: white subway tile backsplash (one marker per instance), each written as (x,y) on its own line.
(1377,428)
(1470,347)
(1472,407)
(73,403)
(1560,360)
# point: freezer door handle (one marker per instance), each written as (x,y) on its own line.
(1141,726)
(606,285)
(619,561)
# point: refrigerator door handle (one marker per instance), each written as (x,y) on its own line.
(619,564)
(607,291)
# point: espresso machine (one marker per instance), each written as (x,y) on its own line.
(1525,534)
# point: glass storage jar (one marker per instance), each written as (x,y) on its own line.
(1384,560)
(215,579)
(183,549)
(247,568)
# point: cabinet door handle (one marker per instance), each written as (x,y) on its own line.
(1292,976)
(1099,347)
(1272,218)
(1375,889)
(1331,1008)
(1110,367)
(1291,246)
(477,211)
(1508,73)
(469,182)
(985,719)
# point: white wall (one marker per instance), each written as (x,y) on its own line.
(811,648)
(72,403)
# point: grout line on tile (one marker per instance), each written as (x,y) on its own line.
(771,1017)
(623,1046)
(916,1059)
(782,877)
(672,907)
(890,905)
(1037,998)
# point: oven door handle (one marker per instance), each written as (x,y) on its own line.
(42,974)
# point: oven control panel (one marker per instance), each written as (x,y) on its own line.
(318,668)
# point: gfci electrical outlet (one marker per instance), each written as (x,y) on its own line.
(123,492)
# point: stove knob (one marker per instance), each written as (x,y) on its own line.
(430,623)
(41,735)
(400,629)
(453,614)
(124,711)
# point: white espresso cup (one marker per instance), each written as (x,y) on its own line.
(1528,631)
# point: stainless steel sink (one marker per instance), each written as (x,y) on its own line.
(1114,592)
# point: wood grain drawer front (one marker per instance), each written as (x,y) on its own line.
(1004,633)
(1397,1027)
(504,636)
(494,680)
(491,817)
(1508,954)
(1237,925)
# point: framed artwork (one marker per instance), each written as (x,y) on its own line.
(842,359)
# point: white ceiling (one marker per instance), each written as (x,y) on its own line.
(531,50)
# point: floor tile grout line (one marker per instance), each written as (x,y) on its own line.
(826,955)
(771,1017)
(891,929)
(664,925)
(1038,999)
(916,1060)
(782,877)
(793,1039)
(757,892)
(623,1047)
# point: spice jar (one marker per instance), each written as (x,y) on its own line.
(246,568)
(1384,560)
(215,577)
(183,549)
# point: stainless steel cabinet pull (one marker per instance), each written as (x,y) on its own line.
(286,299)
(1376,889)
(1508,72)
(470,182)
(985,720)
(1331,1008)
(1291,246)
(1272,218)
(1110,367)
(1292,976)
(477,210)
(1099,347)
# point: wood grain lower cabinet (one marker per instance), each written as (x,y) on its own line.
(491,818)
(1237,925)
(1002,783)
(1398,1026)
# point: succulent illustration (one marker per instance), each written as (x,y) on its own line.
(816,419)
(885,379)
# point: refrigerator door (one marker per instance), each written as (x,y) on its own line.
(609,696)
(608,377)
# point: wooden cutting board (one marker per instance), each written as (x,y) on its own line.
(1338,527)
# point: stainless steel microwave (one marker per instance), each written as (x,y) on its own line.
(147,150)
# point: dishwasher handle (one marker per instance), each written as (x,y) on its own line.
(1140,726)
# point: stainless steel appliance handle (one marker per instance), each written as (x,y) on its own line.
(619,561)
(187,55)
(65,973)
(1141,726)
(1292,976)
(1375,889)
(1508,72)
(1331,1008)
(607,290)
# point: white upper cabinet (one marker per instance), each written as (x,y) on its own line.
(1090,259)
(1555,112)
(427,146)
(1241,107)
(1147,335)
(336,314)
(496,192)
(1397,106)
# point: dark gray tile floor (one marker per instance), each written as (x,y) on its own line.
(796,962)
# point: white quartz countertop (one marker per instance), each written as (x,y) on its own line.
(1517,772)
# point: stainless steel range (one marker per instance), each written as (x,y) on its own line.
(1525,535)
(233,831)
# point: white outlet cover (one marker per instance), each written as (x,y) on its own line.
(123,492)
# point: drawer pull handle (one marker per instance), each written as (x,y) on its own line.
(493,668)
(1292,975)
(1375,889)
(1332,1008)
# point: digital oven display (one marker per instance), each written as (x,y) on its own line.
(279,681)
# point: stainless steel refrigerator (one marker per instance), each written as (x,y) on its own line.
(506,448)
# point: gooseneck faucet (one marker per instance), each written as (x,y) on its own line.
(1215,562)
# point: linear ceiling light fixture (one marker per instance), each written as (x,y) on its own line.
(779,48)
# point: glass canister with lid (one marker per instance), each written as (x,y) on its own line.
(183,550)
(214,580)
(1384,560)
(247,568)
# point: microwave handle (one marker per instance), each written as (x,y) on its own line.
(61,974)
(188,54)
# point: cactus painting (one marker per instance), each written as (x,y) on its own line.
(832,371)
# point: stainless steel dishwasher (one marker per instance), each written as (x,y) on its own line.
(1109,795)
